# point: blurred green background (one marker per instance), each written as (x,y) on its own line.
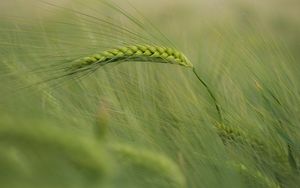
(150,125)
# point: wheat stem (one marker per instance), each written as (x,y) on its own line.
(210,94)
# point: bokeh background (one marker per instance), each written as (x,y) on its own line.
(143,124)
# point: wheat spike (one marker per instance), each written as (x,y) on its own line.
(141,53)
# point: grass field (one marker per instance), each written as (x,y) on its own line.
(141,123)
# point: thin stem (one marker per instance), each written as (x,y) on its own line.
(211,95)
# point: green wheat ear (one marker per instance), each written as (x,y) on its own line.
(136,53)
